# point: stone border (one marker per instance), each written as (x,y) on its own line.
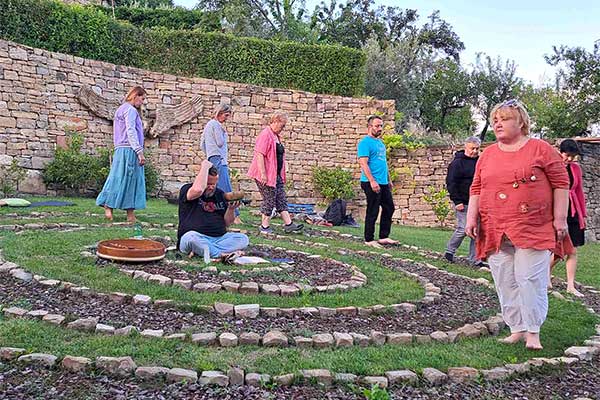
(66,225)
(357,280)
(275,338)
(126,366)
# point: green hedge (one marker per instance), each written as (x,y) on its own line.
(89,33)
(175,18)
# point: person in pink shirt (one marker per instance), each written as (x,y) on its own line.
(569,150)
(518,213)
(268,171)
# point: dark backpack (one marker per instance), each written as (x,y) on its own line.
(336,212)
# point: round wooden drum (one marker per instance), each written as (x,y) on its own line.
(134,250)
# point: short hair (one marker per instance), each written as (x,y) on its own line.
(569,146)
(278,117)
(372,118)
(135,92)
(473,139)
(213,171)
(515,108)
(222,109)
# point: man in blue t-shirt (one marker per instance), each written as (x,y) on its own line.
(204,216)
(376,183)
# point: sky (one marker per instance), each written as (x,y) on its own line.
(522,31)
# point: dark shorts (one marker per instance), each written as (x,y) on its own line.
(576,234)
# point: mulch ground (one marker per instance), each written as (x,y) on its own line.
(307,270)
(27,383)
(461,302)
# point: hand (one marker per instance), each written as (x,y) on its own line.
(207,164)
(263,179)
(391,186)
(141,158)
(460,207)
(560,226)
(375,187)
(471,229)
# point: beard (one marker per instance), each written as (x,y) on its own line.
(377,134)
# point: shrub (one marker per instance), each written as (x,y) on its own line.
(77,171)
(72,169)
(438,200)
(175,18)
(10,176)
(88,32)
(333,183)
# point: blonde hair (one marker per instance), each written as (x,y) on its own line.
(135,92)
(278,117)
(515,109)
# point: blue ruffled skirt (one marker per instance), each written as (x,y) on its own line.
(125,187)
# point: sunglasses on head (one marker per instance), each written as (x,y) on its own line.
(511,103)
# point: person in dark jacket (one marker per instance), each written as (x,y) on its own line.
(458,181)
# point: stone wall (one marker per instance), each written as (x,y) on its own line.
(38,102)
(590,163)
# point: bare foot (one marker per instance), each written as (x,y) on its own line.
(191,254)
(574,292)
(108,213)
(533,341)
(131,216)
(237,221)
(513,338)
(374,243)
(387,241)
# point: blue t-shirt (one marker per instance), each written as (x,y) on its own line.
(374,149)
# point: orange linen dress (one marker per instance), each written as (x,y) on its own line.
(515,192)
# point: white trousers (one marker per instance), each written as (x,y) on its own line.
(521,279)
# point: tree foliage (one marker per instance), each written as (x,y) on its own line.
(494,81)
(579,76)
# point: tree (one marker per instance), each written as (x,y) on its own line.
(551,113)
(579,76)
(446,96)
(493,82)
(272,19)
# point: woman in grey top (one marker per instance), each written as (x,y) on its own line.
(214,144)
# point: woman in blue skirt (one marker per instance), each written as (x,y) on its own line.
(125,187)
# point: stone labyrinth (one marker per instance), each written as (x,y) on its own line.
(453,308)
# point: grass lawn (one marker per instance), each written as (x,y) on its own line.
(57,255)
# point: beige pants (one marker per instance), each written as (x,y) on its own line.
(521,278)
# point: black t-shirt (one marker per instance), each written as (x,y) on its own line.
(279,150)
(204,215)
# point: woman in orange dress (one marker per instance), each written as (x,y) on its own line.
(517,211)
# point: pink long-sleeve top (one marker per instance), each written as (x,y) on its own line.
(266,145)
(576,195)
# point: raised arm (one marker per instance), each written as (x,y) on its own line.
(199,185)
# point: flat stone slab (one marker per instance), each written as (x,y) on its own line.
(204,339)
(120,366)
(247,310)
(323,340)
(142,299)
(14,312)
(250,338)
(495,374)
(434,376)
(125,331)
(84,324)
(46,360)
(216,378)
(581,352)
(401,377)
(254,379)
(11,353)
(462,374)
(151,373)
(380,381)
(236,376)
(322,376)
(157,333)
(54,319)
(76,364)
(275,339)
(182,375)
(228,339)
(343,339)
(224,309)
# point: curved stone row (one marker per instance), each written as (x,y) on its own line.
(357,280)
(234,376)
(274,338)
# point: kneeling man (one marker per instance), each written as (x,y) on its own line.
(204,216)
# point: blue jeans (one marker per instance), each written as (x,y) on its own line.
(228,243)
(459,234)
(224,182)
